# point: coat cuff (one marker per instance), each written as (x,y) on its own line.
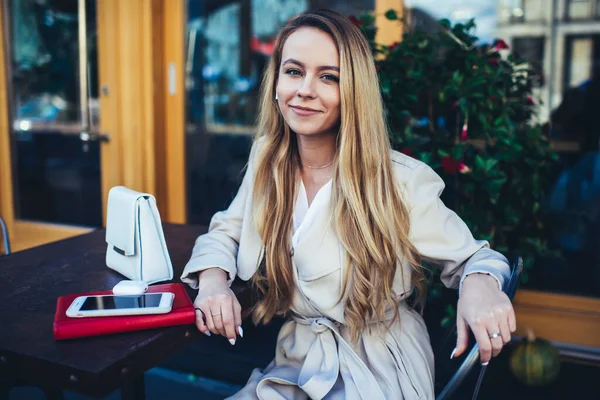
(483,269)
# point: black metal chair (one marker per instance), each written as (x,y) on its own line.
(472,359)
(5,238)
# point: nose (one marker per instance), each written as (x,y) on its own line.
(307,88)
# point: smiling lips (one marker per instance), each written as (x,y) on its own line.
(304,111)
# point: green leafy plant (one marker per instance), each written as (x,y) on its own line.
(467,110)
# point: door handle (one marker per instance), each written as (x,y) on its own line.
(94,137)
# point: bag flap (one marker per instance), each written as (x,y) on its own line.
(122,218)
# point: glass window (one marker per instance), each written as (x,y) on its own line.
(530,49)
(229,44)
(536,10)
(567,57)
(580,9)
(54,106)
(511,11)
(579,64)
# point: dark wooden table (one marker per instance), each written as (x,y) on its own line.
(31,281)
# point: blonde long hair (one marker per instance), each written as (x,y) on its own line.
(369,216)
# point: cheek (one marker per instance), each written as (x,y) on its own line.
(332,102)
(286,87)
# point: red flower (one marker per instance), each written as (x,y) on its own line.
(355,21)
(463,169)
(408,151)
(463,133)
(392,46)
(450,165)
(500,44)
(530,100)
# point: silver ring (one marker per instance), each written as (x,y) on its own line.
(214,315)
(494,335)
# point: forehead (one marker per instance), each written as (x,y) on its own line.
(312,47)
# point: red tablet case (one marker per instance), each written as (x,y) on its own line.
(182,313)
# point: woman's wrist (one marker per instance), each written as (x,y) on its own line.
(212,276)
(481,277)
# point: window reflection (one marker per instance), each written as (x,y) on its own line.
(567,58)
(54,101)
(45,54)
(44,47)
(225,60)
(581,9)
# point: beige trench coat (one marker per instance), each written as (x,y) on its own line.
(314,357)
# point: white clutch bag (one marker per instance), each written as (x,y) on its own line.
(134,234)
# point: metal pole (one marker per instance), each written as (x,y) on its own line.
(83,66)
(552,76)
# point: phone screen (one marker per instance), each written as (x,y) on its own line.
(93,303)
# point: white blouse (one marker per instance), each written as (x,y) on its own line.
(304,215)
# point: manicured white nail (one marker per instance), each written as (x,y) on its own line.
(453,351)
(232,341)
(485,363)
(207,333)
(240,331)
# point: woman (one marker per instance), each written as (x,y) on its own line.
(331,226)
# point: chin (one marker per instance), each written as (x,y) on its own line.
(308,129)
(305,132)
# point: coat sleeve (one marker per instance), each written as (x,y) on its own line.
(442,238)
(218,248)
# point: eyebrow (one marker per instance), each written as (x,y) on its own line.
(321,68)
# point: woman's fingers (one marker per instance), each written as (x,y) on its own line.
(229,321)
(483,341)
(505,330)
(200,324)
(512,320)
(498,329)
(491,337)
(496,339)
(217,316)
(462,337)
(220,314)
(208,320)
(237,317)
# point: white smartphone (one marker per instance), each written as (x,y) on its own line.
(111,305)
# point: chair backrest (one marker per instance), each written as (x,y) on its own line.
(5,239)
(472,359)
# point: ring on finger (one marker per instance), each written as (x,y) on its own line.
(215,314)
(494,335)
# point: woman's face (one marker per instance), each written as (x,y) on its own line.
(308,85)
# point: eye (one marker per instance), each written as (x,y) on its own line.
(332,78)
(293,71)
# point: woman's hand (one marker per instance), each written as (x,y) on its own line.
(217,309)
(488,311)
